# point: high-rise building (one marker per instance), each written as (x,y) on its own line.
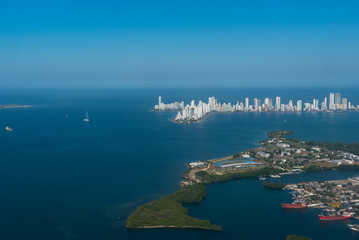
(277,104)
(331,101)
(344,103)
(299,105)
(246,108)
(338,99)
(325,103)
(270,105)
(256,104)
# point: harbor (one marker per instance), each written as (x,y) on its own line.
(338,199)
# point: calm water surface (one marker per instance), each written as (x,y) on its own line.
(66,179)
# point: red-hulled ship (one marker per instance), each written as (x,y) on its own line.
(335,217)
(294,205)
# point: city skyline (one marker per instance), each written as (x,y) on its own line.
(193,113)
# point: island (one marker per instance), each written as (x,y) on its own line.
(3,106)
(275,157)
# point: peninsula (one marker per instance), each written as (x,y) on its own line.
(275,157)
(3,106)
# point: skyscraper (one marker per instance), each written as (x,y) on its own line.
(345,103)
(277,104)
(331,101)
(256,104)
(299,105)
(246,104)
(338,99)
(325,103)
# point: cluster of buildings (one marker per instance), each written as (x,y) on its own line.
(194,112)
(334,196)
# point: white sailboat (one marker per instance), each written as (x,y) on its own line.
(87,119)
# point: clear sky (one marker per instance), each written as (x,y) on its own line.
(179,43)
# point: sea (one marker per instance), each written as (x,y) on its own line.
(63,178)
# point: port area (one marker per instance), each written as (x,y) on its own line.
(339,199)
(280,155)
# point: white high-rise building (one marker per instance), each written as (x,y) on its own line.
(331,101)
(325,103)
(256,104)
(345,103)
(246,108)
(299,105)
(277,104)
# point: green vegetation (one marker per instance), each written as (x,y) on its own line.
(294,237)
(317,168)
(338,146)
(207,178)
(169,211)
(273,185)
(279,133)
(347,167)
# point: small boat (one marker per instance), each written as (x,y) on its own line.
(67,116)
(87,119)
(8,129)
(262,178)
(353,227)
(275,176)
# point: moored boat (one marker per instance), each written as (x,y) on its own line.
(353,227)
(335,217)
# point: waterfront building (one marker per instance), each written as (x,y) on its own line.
(256,104)
(299,105)
(344,103)
(277,104)
(338,100)
(325,104)
(331,101)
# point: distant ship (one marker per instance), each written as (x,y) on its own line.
(335,217)
(87,119)
(8,129)
(294,205)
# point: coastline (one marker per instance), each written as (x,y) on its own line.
(173,226)
(198,177)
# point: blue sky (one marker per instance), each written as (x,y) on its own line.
(179,43)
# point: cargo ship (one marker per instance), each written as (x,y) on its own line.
(294,205)
(335,217)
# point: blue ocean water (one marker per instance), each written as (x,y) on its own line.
(62,178)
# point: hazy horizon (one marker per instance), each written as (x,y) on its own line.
(66,44)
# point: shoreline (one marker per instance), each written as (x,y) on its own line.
(169,209)
(172,226)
